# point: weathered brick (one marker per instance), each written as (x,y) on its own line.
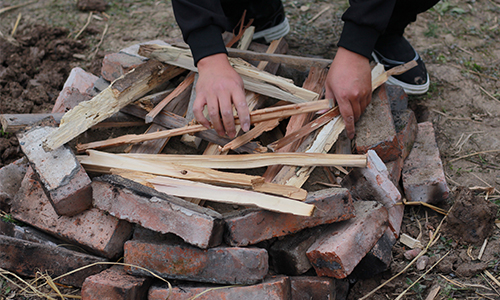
(313,287)
(251,226)
(115,284)
(139,204)
(92,229)
(396,96)
(27,258)
(274,288)
(394,168)
(406,130)
(378,259)
(288,254)
(177,260)
(423,174)
(74,90)
(341,247)
(396,214)
(372,182)
(27,233)
(67,186)
(375,129)
(11,176)
(115,65)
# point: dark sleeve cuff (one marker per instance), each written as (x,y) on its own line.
(358,39)
(205,42)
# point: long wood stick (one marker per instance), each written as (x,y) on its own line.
(121,92)
(184,188)
(295,61)
(185,84)
(248,161)
(254,80)
(12,123)
(109,160)
(255,116)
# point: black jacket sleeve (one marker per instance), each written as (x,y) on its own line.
(201,23)
(364,22)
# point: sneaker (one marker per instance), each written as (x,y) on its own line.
(397,51)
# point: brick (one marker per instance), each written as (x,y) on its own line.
(142,205)
(406,130)
(394,168)
(251,226)
(115,284)
(288,255)
(375,129)
(378,259)
(27,233)
(177,260)
(27,258)
(397,97)
(74,90)
(93,229)
(372,183)
(11,176)
(67,186)
(115,65)
(274,288)
(313,287)
(341,247)
(423,174)
(396,214)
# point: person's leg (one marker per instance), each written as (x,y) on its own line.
(393,49)
(268,16)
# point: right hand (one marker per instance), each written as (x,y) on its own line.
(219,87)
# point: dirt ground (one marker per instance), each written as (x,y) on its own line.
(458,40)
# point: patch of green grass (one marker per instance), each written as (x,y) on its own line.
(417,288)
(431,30)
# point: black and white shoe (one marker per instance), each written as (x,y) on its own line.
(398,51)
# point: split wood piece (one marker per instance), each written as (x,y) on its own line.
(255,116)
(254,79)
(247,38)
(13,123)
(322,144)
(185,84)
(105,160)
(185,188)
(305,130)
(153,146)
(248,161)
(172,120)
(121,92)
(290,60)
(255,132)
(410,242)
(315,81)
(381,77)
(263,187)
(187,139)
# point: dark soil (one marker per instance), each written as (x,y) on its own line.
(32,73)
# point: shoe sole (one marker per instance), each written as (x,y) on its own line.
(410,89)
(274,32)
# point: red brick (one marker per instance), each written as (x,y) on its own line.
(93,229)
(27,233)
(67,186)
(406,130)
(177,260)
(288,254)
(394,168)
(252,226)
(74,90)
(11,176)
(375,129)
(396,214)
(396,96)
(341,247)
(115,284)
(115,65)
(27,258)
(313,287)
(136,203)
(372,182)
(378,259)
(275,288)
(423,174)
